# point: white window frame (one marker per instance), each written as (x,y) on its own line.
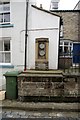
(3,52)
(3,12)
(70,45)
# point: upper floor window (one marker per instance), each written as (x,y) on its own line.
(66,48)
(4,12)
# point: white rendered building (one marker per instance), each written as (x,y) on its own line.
(42,39)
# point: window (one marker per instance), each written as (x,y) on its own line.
(66,48)
(5,53)
(4,12)
(61,31)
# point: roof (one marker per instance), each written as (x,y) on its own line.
(65,10)
(77,4)
(41,9)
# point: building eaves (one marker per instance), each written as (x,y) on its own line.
(41,9)
(65,10)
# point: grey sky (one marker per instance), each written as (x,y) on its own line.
(63,4)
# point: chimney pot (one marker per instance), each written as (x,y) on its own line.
(41,6)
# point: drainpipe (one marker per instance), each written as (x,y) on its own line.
(26,36)
(60,23)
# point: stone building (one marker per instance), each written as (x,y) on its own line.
(69,37)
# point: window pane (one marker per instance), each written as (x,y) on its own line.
(6,7)
(61,43)
(66,50)
(7,57)
(6,45)
(1,7)
(1,18)
(66,43)
(61,50)
(7,17)
(71,50)
(1,46)
(71,44)
(1,57)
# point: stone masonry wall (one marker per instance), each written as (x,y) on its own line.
(48,87)
(65,63)
(71,24)
(71,30)
(38,86)
(71,87)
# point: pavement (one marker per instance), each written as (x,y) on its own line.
(6,113)
(17,109)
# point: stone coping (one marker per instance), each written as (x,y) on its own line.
(37,73)
(44,71)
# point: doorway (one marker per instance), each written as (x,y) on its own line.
(76,53)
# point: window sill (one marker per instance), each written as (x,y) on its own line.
(6,25)
(6,66)
(65,56)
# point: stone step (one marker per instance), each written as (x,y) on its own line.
(36,73)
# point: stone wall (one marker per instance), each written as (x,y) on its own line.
(71,24)
(71,30)
(38,86)
(48,86)
(65,62)
(70,87)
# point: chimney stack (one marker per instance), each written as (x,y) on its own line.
(54,5)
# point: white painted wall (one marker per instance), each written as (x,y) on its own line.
(37,20)
(18,20)
(42,20)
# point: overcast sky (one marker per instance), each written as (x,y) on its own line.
(63,4)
